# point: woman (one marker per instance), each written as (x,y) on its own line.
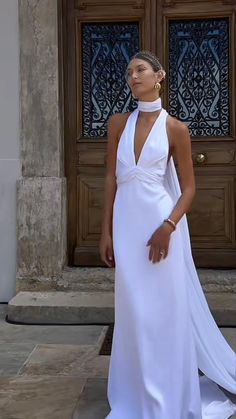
(163,329)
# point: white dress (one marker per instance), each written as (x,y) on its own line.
(163,328)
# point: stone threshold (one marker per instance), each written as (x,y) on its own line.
(79,307)
(98,279)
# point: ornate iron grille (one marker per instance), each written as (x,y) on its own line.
(107,49)
(199,75)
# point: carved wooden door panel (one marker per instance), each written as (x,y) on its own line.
(99,38)
(195,42)
(199,55)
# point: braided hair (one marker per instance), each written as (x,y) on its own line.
(150,58)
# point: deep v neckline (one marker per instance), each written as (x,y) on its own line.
(136,162)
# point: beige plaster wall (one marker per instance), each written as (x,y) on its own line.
(9,144)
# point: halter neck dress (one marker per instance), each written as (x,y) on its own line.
(163,330)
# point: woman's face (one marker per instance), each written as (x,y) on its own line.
(141,77)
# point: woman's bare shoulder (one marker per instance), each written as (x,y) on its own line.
(178,134)
(175,126)
(116,123)
(119,117)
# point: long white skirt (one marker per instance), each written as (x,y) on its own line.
(156,352)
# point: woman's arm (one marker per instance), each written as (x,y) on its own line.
(115,127)
(110,180)
(180,145)
(180,148)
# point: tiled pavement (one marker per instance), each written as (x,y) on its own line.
(55,372)
(52,372)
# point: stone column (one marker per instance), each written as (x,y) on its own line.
(41,192)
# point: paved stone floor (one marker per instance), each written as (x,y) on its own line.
(55,372)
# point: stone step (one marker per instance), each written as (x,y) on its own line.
(88,279)
(57,307)
(102,279)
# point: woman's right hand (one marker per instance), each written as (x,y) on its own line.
(106,250)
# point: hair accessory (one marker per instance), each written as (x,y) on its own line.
(149,106)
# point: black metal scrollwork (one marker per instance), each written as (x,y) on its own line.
(199,75)
(107,49)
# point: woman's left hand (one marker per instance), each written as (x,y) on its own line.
(159,243)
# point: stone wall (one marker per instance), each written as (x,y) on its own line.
(41,192)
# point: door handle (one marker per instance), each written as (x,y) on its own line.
(200,158)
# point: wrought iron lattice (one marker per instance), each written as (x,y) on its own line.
(107,49)
(199,75)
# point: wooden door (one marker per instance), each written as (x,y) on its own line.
(195,41)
